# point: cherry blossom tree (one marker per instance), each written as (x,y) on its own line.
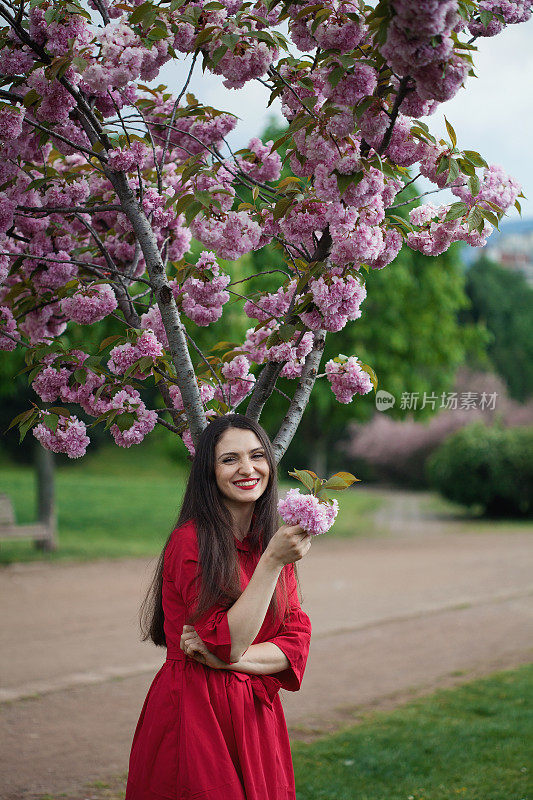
(106,183)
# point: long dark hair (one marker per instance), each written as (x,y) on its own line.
(219,565)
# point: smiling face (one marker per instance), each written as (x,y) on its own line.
(241,466)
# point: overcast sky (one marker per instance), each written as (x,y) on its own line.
(493,115)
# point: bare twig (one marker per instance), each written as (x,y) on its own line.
(103,11)
(121,292)
(175,109)
(255,275)
(430,191)
(69,209)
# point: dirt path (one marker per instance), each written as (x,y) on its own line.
(395,617)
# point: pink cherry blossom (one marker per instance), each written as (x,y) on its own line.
(347,379)
(11,119)
(307,511)
(90,305)
(70,436)
(204,297)
(262,164)
(128,400)
(207,392)
(123,356)
(9,326)
(239,381)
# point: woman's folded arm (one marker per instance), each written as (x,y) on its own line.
(264,658)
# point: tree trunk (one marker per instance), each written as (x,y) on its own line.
(45,467)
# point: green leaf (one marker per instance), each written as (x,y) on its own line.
(281,207)
(346,476)
(125,421)
(183,203)
(335,76)
(140,13)
(80,376)
(20,418)
(317,485)
(109,340)
(474,185)
(456,211)
(453,173)
(304,477)
(451,133)
(373,377)
(30,98)
(287,331)
(475,158)
(443,164)
(192,211)
(337,484)
(60,410)
(203,197)
(218,55)
(475,218)
(145,363)
(343,181)
(25,426)
(485,16)
(466,167)
(274,339)
(490,216)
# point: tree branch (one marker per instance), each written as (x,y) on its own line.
(300,399)
(121,292)
(174,110)
(400,96)
(270,372)
(69,209)
(185,375)
(103,11)
(418,196)
(263,388)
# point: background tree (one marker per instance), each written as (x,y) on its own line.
(503,301)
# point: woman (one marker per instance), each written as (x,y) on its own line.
(224,601)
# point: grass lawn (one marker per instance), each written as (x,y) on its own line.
(472,742)
(120,503)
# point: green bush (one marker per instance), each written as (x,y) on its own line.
(488,467)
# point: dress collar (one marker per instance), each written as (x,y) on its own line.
(244,545)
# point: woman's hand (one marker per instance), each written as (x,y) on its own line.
(193,646)
(290,543)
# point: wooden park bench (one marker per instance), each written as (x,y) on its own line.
(41,533)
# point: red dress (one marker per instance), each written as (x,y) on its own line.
(215,734)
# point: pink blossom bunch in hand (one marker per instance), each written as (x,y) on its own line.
(307,510)
(315,512)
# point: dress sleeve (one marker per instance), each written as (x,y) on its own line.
(293,639)
(182,567)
